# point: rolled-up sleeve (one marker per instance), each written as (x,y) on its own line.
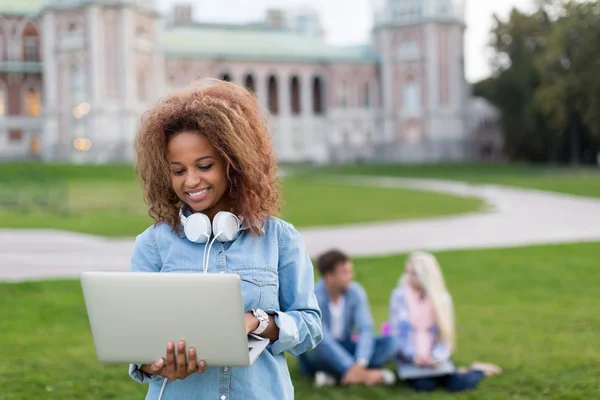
(299,318)
(137,374)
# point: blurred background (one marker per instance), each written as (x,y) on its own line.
(468,128)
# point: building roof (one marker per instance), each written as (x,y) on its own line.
(236,42)
(20,7)
(248,43)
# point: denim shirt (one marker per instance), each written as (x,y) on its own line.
(277,276)
(356,316)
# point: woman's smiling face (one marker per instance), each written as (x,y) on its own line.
(198,173)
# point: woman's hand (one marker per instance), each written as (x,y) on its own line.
(251,322)
(175,367)
(424,361)
(272,331)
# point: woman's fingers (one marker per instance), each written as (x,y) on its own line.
(201,366)
(155,368)
(181,363)
(175,366)
(192,366)
(171,366)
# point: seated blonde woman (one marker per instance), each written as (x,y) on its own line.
(422,321)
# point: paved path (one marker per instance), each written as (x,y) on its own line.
(514,217)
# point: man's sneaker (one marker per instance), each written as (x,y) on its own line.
(324,379)
(389,377)
(380,377)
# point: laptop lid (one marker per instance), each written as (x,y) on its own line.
(407,370)
(133,315)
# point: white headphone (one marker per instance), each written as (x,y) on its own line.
(197,227)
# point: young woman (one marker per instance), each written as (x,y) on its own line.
(422,320)
(205,159)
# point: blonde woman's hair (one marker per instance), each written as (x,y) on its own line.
(429,275)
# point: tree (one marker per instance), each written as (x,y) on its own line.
(570,93)
(517,43)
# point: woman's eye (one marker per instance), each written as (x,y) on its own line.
(205,167)
(178,172)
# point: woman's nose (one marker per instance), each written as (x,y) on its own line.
(192,179)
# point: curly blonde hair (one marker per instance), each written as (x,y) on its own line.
(234,123)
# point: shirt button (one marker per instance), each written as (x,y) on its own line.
(226,369)
(223,397)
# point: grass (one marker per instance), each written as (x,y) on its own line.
(583,181)
(532,310)
(106,200)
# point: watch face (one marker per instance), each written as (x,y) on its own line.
(260,314)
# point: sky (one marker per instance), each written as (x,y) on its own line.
(349,22)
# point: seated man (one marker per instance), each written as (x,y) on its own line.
(345,307)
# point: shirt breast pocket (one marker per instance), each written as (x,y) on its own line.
(259,286)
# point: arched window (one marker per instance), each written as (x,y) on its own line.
(31,43)
(367,95)
(2,44)
(412,95)
(141,86)
(249,83)
(2,101)
(33,105)
(317,86)
(78,89)
(343,95)
(295,95)
(273,95)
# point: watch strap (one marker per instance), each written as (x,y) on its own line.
(263,321)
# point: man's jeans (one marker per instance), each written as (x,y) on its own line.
(320,358)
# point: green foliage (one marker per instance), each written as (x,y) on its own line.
(544,81)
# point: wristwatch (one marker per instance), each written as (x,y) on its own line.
(263,321)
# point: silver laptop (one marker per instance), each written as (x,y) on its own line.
(133,315)
(406,370)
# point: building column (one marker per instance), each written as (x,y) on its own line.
(432,77)
(50,141)
(387,88)
(158,62)
(284,115)
(95,78)
(309,136)
(261,89)
(128,82)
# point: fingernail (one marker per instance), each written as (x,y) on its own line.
(202,364)
(159,362)
(181,343)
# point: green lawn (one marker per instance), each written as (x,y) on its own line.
(106,200)
(581,181)
(534,311)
